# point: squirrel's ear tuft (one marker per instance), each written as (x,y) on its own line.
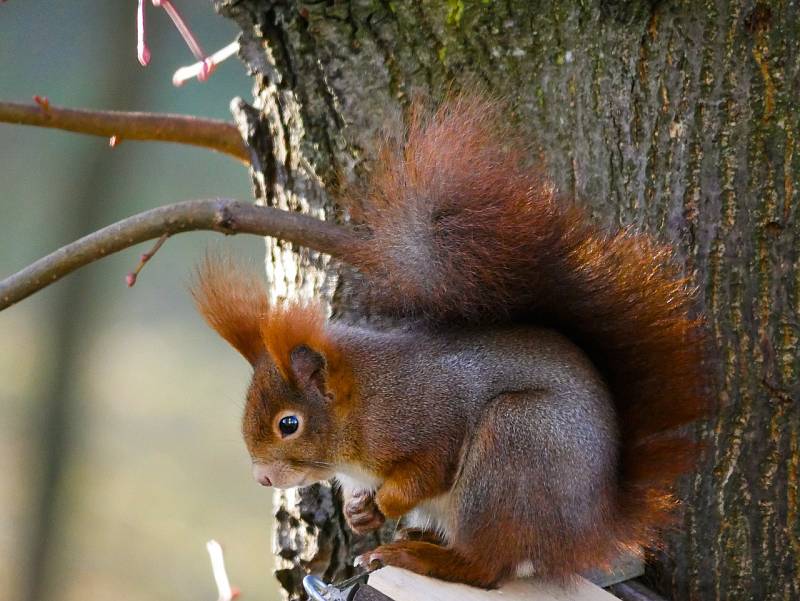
(308,367)
(233,300)
(304,352)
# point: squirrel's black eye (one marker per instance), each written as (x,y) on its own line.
(288,425)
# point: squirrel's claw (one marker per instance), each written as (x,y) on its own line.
(368,561)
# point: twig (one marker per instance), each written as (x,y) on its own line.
(182,28)
(184,74)
(221,215)
(182,129)
(130,279)
(224,589)
(142,51)
(205,66)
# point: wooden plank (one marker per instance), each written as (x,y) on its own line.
(402,585)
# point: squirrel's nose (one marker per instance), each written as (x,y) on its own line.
(261,474)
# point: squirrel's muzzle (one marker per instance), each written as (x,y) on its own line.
(283,474)
(261,473)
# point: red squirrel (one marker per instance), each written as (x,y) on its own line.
(530,413)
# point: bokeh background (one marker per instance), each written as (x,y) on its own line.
(120,453)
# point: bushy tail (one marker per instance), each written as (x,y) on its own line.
(461,229)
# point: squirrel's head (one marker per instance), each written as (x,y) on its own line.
(288,419)
(299,377)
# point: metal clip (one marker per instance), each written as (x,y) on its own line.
(319,591)
(345,591)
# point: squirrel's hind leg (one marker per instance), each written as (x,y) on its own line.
(536,486)
(436,561)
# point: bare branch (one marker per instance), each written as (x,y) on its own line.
(182,129)
(221,215)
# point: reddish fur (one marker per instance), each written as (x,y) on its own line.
(461,230)
(291,325)
(234,303)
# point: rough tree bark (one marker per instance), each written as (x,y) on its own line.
(678,118)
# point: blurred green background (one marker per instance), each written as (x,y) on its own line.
(125,389)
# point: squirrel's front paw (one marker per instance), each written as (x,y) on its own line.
(361,512)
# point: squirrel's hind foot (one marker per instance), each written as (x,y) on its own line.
(433,560)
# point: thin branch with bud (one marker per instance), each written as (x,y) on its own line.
(195,70)
(142,51)
(181,129)
(130,279)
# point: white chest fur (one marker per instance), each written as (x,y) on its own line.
(353,477)
(434,514)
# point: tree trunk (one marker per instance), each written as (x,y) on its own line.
(676,118)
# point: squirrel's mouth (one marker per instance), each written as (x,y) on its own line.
(285,475)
